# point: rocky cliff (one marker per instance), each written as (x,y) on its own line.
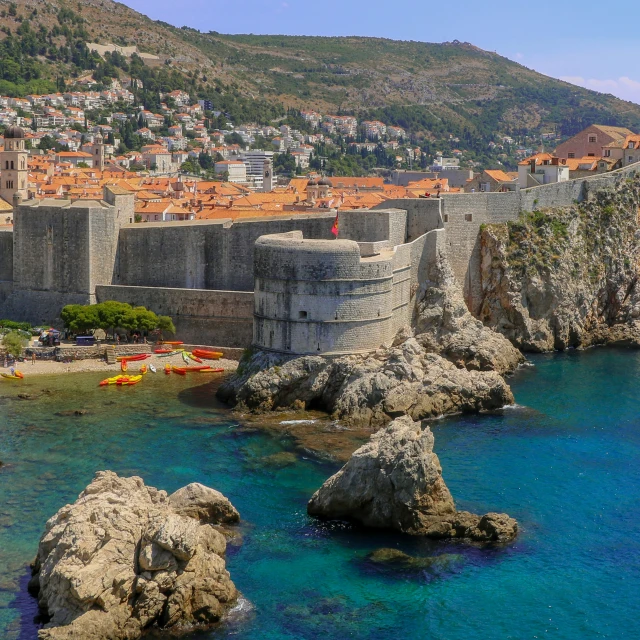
(395,481)
(453,363)
(125,557)
(566,277)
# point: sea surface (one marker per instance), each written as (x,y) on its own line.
(565,462)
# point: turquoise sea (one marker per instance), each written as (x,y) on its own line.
(565,462)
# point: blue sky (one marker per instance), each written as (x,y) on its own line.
(593,43)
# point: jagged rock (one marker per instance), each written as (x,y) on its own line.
(366,390)
(396,559)
(445,326)
(566,277)
(121,559)
(394,481)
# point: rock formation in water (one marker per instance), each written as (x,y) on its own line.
(126,556)
(452,364)
(566,277)
(394,481)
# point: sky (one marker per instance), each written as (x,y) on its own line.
(592,43)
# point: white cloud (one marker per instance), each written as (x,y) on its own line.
(623,87)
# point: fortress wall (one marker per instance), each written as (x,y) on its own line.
(52,248)
(200,316)
(6,255)
(103,239)
(423,214)
(320,297)
(374,225)
(203,255)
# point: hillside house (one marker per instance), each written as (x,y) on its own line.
(591,141)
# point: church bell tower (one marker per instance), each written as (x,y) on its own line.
(14,174)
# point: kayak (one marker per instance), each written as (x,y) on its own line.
(169,342)
(167,369)
(143,369)
(180,372)
(152,369)
(175,352)
(108,381)
(121,380)
(123,365)
(128,381)
(207,355)
(17,376)
(162,351)
(194,358)
(134,358)
(185,357)
(210,370)
(189,369)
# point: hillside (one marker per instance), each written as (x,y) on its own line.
(443,88)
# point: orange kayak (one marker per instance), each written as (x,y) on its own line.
(189,369)
(207,355)
(123,365)
(210,370)
(174,342)
(167,369)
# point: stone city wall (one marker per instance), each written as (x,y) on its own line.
(204,255)
(201,316)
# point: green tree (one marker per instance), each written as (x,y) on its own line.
(80,318)
(13,342)
(165,325)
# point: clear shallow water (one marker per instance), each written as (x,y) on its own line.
(566,463)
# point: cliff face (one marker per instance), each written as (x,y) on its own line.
(566,277)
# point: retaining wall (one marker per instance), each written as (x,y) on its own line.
(201,316)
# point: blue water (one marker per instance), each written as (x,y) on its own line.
(565,463)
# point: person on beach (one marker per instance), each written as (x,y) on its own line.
(33,357)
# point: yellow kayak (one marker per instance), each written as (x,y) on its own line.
(17,376)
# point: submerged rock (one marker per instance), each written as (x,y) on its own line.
(396,559)
(125,557)
(395,482)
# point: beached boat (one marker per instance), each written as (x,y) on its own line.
(175,342)
(211,370)
(159,351)
(189,369)
(179,370)
(167,369)
(134,358)
(108,381)
(185,357)
(193,357)
(17,375)
(152,369)
(207,355)
(143,369)
(123,365)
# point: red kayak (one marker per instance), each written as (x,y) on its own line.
(138,356)
(183,370)
(162,350)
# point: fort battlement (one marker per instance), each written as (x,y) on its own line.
(236,282)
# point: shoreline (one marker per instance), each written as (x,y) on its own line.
(51,367)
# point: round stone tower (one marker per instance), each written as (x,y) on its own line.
(320,296)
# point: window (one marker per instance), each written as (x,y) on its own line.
(468,217)
(607,153)
(593,139)
(12,164)
(445,217)
(632,145)
(571,154)
(630,158)
(302,314)
(591,155)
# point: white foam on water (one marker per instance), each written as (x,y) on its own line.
(298,421)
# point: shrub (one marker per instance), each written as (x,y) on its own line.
(13,342)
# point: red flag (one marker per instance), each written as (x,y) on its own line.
(334,229)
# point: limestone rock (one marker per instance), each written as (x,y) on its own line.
(205,504)
(367,390)
(445,326)
(566,277)
(121,558)
(394,481)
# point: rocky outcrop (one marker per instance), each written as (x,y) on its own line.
(126,556)
(395,481)
(566,277)
(365,390)
(443,325)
